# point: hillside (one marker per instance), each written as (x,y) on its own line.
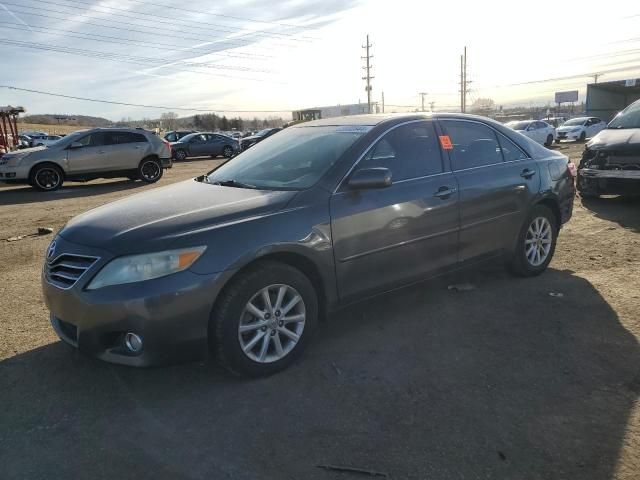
(66,120)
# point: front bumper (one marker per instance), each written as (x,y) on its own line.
(171,314)
(14,173)
(614,182)
(567,135)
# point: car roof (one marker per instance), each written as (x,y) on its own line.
(391,118)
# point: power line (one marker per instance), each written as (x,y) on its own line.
(153,62)
(126,41)
(226,16)
(85,99)
(154,32)
(218,27)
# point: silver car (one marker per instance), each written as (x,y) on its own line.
(87,155)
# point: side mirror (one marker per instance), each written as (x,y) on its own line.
(75,145)
(370,178)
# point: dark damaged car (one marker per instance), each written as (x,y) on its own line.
(610,163)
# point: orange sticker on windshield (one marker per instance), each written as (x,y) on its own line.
(445,141)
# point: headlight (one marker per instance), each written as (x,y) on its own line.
(137,268)
(14,159)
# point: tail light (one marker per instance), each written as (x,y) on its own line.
(571,168)
(168,146)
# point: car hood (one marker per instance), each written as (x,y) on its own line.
(569,128)
(24,151)
(618,140)
(154,220)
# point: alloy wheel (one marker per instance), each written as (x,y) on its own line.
(272,323)
(150,170)
(537,243)
(47,178)
(227,152)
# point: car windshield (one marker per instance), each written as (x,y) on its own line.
(186,138)
(628,118)
(518,125)
(295,159)
(574,122)
(262,133)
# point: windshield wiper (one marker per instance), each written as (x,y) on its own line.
(234,183)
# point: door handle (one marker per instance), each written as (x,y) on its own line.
(526,173)
(445,192)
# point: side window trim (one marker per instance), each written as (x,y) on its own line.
(375,142)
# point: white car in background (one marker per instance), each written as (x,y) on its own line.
(44,140)
(536,130)
(580,128)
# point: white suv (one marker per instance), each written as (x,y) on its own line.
(87,155)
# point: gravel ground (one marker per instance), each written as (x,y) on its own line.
(504,381)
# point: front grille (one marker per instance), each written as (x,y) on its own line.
(66,269)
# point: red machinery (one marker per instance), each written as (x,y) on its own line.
(9,127)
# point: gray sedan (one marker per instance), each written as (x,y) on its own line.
(244,261)
(205,143)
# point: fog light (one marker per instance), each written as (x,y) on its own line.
(133,342)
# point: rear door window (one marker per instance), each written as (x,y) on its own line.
(510,151)
(474,144)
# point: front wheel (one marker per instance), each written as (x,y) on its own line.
(46,178)
(549,141)
(263,320)
(583,137)
(181,155)
(150,170)
(536,243)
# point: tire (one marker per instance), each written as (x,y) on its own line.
(231,312)
(150,170)
(46,177)
(583,137)
(227,151)
(524,262)
(181,155)
(549,141)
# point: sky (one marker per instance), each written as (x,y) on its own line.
(258,58)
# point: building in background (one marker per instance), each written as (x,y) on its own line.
(317,113)
(606,99)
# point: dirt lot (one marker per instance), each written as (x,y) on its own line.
(504,381)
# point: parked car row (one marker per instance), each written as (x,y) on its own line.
(577,129)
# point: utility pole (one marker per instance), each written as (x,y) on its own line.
(423,94)
(368,68)
(596,76)
(431,104)
(383,102)
(464,83)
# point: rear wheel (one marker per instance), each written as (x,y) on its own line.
(46,177)
(263,320)
(150,170)
(227,152)
(536,243)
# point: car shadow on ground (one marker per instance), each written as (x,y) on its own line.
(625,211)
(502,381)
(26,194)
